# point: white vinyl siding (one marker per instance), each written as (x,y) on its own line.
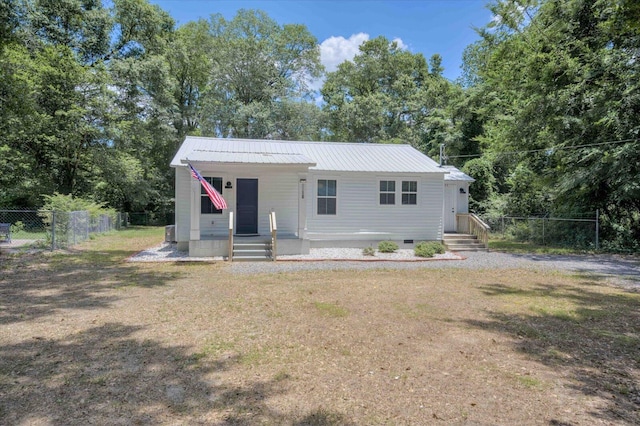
(360,216)
(183,203)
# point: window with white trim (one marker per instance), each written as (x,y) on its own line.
(206,206)
(387,192)
(409,192)
(327,199)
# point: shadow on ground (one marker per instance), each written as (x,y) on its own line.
(38,284)
(108,374)
(595,343)
(104,375)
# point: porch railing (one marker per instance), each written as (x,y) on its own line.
(273,227)
(230,257)
(472,224)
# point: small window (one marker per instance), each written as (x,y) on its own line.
(327,190)
(387,192)
(409,192)
(206,206)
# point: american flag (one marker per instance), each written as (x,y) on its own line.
(214,195)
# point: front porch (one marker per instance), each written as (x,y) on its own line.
(218,245)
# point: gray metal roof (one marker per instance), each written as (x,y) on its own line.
(248,157)
(456,175)
(329,156)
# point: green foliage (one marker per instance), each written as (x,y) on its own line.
(58,215)
(84,84)
(428,248)
(17,227)
(369,251)
(561,94)
(482,190)
(258,75)
(68,203)
(387,247)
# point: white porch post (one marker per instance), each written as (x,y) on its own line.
(303,194)
(194,233)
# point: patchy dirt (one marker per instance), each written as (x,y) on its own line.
(88,338)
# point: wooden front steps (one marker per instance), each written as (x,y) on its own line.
(252,251)
(463,242)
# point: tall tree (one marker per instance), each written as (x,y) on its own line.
(563,89)
(257,64)
(190,64)
(388,94)
(79,75)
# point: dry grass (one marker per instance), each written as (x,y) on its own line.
(87,338)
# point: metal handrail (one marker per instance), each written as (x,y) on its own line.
(230,257)
(273,227)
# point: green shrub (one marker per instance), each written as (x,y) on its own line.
(369,251)
(17,227)
(387,247)
(428,248)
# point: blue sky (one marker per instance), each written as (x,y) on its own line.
(421,26)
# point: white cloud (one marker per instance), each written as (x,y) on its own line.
(336,50)
(400,43)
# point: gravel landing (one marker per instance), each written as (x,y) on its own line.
(168,253)
(620,270)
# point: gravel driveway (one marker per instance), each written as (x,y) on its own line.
(620,270)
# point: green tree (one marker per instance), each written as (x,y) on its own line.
(390,95)
(85,84)
(562,89)
(190,62)
(258,66)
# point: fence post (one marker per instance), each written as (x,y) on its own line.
(53,230)
(597,229)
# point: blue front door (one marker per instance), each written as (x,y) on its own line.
(247,206)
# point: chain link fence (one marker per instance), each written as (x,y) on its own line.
(20,228)
(54,229)
(160,218)
(582,233)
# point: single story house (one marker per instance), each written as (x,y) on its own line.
(324,194)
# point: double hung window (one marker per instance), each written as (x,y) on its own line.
(387,192)
(206,206)
(327,196)
(409,192)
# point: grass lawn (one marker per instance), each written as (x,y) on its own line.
(523,247)
(87,338)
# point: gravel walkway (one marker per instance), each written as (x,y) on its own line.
(621,270)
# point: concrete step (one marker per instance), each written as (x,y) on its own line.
(251,245)
(461,247)
(252,251)
(463,242)
(459,237)
(252,258)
